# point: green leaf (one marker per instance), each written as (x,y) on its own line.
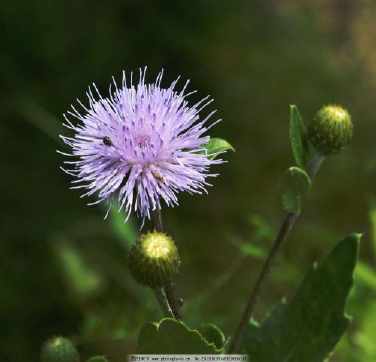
(296,184)
(216,146)
(262,230)
(170,336)
(297,136)
(310,325)
(253,250)
(83,280)
(213,335)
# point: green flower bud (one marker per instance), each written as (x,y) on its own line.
(59,349)
(330,130)
(154,259)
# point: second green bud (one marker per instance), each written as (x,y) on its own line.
(330,130)
(154,259)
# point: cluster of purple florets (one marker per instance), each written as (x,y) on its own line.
(139,146)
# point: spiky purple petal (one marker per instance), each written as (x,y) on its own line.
(142,144)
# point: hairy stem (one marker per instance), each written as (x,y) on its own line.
(174,303)
(287,225)
(163,302)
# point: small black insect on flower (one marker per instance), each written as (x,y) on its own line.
(107,141)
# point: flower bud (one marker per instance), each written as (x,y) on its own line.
(154,259)
(330,130)
(59,349)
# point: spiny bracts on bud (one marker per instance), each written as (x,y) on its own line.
(154,259)
(331,129)
(59,349)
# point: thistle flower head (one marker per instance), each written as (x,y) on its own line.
(143,144)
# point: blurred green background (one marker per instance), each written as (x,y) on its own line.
(63,268)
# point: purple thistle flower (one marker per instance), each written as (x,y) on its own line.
(142,144)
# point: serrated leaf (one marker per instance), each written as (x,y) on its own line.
(310,325)
(216,146)
(170,336)
(213,335)
(297,135)
(296,184)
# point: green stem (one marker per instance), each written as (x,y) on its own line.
(169,289)
(163,302)
(286,227)
(171,296)
(288,223)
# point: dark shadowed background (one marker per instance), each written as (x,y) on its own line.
(63,268)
